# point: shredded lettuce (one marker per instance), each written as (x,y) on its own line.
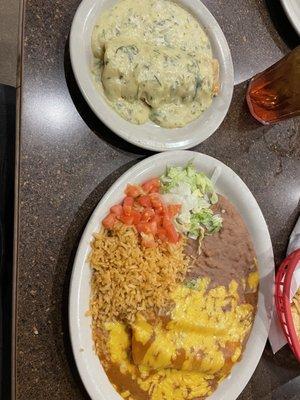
(196,193)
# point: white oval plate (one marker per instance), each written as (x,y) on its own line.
(292,9)
(151,136)
(228,184)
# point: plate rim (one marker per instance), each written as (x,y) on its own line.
(112,120)
(288,6)
(79,265)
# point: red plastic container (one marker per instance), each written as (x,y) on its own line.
(282,300)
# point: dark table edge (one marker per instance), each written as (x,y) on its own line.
(16,200)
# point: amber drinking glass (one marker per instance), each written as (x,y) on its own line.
(274,94)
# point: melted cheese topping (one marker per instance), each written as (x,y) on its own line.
(253,281)
(154,62)
(198,326)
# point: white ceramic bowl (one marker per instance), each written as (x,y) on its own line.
(151,136)
(292,9)
(228,184)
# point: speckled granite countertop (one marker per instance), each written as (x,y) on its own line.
(68,159)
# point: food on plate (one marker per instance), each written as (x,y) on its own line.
(130,277)
(173,300)
(154,62)
(227,254)
(199,336)
(295,307)
(195,192)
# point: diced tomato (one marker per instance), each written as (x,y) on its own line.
(127,219)
(143,208)
(154,189)
(148,241)
(166,221)
(158,219)
(148,214)
(147,227)
(145,201)
(143,227)
(171,232)
(136,216)
(151,186)
(150,244)
(156,201)
(161,211)
(173,236)
(109,221)
(173,209)
(117,210)
(134,191)
(162,234)
(137,207)
(153,227)
(127,205)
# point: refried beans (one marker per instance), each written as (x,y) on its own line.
(226,255)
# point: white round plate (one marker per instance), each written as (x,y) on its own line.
(292,9)
(151,136)
(228,184)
